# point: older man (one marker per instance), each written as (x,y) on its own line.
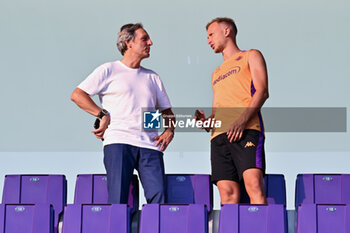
(126,88)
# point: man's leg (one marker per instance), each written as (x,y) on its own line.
(229,191)
(249,158)
(224,172)
(253,180)
(119,161)
(151,171)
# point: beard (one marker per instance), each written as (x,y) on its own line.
(218,49)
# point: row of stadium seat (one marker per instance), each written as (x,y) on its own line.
(328,193)
(155,218)
(166,218)
(190,189)
(322,202)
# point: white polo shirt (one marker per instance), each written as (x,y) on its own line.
(125,92)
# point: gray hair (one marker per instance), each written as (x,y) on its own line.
(126,33)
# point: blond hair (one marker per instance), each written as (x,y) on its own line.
(228,21)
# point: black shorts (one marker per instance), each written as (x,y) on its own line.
(230,160)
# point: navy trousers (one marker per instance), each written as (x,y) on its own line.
(120,160)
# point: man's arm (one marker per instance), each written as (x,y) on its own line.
(165,138)
(83,100)
(200,115)
(258,70)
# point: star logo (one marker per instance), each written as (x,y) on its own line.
(155,115)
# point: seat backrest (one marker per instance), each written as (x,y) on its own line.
(14,218)
(92,189)
(36,189)
(87,218)
(240,218)
(189,189)
(319,218)
(275,190)
(322,189)
(164,218)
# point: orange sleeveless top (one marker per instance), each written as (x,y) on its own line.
(233,89)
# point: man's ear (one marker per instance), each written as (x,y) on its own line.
(128,44)
(227,31)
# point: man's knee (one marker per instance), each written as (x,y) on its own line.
(229,191)
(118,188)
(253,177)
(155,195)
(154,187)
(159,197)
(254,185)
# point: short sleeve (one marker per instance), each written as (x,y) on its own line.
(95,82)
(163,101)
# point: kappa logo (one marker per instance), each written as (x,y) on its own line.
(249,144)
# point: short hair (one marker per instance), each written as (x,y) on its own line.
(126,33)
(228,21)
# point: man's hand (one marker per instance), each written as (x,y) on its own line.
(164,139)
(84,101)
(103,126)
(200,116)
(235,132)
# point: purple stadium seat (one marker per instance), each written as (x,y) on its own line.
(322,189)
(38,218)
(275,189)
(164,218)
(318,218)
(238,218)
(85,218)
(36,189)
(189,189)
(92,189)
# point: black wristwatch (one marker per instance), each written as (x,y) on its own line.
(102,113)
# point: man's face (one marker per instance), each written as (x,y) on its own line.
(140,46)
(216,37)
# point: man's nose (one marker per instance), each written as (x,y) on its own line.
(149,42)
